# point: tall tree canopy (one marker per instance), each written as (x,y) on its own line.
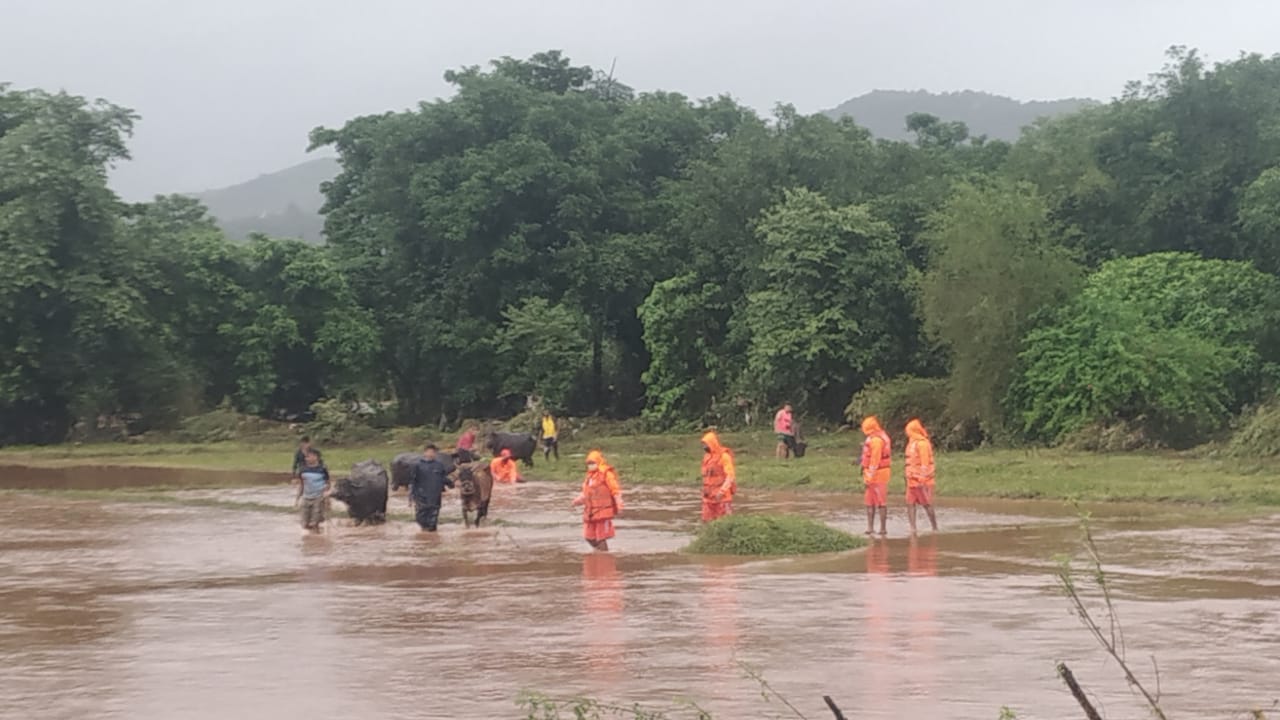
(548,230)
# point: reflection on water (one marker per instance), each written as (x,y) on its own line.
(603,627)
(128,610)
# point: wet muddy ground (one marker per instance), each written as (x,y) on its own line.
(169,609)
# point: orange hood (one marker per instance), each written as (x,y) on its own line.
(870,425)
(596,457)
(712,441)
(916,431)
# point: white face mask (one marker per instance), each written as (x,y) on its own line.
(592,467)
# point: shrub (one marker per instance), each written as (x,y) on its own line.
(1259,433)
(770,535)
(1169,343)
(336,422)
(900,399)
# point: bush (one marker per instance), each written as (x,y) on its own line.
(1259,433)
(224,424)
(1170,343)
(770,535)
(336,423)
(900,399)
(1122,436)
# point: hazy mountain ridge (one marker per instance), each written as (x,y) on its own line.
(884,112)
(287,203)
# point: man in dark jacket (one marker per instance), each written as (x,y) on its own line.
(427,482)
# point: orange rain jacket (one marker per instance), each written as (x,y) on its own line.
(876,452)
(601,496)
(719,479)
(920,469)
(504,469)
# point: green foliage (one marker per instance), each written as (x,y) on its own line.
(1163,167)
(994,267)
(76,337)
(1168,341)
(683,331)
(824,314)
(545,351)
(767,534)
(548,230)
(898,400)
(337,423)
(1259,433)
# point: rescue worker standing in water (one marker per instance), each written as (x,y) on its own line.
(601,501)
(719,478)
(875,474)
(920,474)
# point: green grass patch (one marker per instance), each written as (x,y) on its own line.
(769,534)
(830,466)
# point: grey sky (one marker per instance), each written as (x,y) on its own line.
(228,89)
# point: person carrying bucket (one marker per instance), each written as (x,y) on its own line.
(920,474)
(719,478)
(601,501)
(875,474)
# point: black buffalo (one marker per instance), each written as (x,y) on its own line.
(402,467)
(364,492)
(521,445)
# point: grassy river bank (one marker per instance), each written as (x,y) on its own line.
(673,459)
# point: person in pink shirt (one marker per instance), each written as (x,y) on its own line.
(465,448)
(784,427)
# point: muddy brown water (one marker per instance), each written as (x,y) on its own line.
(172,610)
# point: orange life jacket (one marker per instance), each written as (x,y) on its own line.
(714,475)
(598,501)
(881,464)
(919,463)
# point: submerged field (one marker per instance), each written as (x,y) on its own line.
(829,465)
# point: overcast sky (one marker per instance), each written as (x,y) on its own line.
(228,89)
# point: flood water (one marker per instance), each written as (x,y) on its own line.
(171,610)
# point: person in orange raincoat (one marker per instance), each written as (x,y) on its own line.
(601,501)
(719,479)
(504,469)
(920,474)
(875,473)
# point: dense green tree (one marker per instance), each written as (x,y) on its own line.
(76,339)
(530,182)
(994,267)
(684,329)
(545,351)
(1170,342)
(827,312)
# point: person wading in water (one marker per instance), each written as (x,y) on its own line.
(300,456)
(426,486)
(313,490)
(920,474)
(719,478)
(601,501)
(875,474)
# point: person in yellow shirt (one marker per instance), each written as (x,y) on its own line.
(550,441)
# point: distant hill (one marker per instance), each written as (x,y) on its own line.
(280,204)
(287,203)
(884,112)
